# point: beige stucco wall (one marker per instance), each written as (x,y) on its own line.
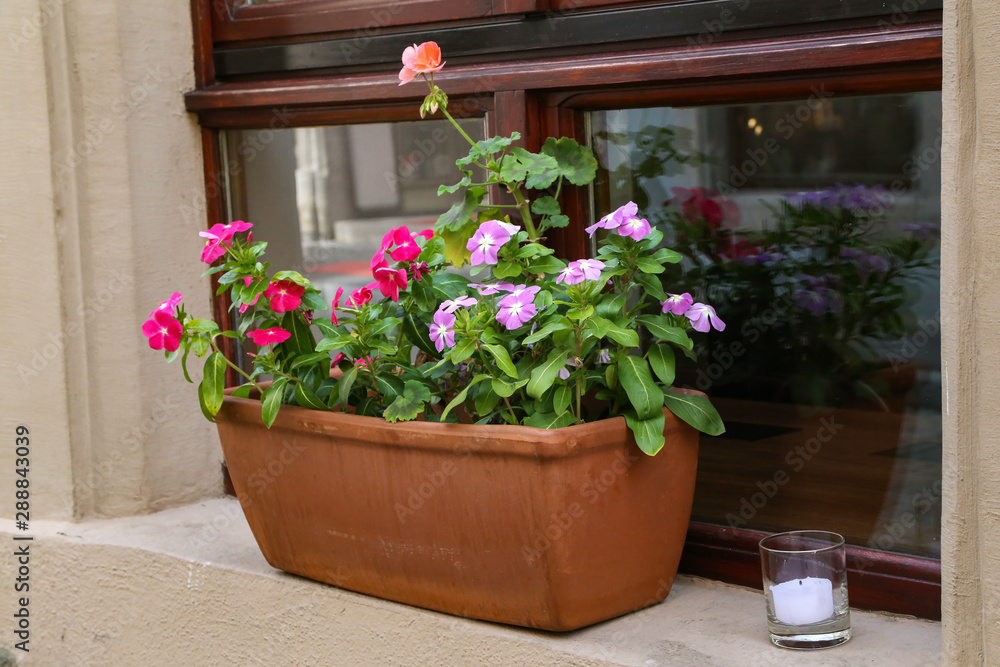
(971,340)
(100,158)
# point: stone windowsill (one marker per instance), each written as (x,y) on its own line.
(191,581)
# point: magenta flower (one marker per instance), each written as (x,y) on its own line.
(486,289)
(284,295)
(389,280)
(451,305)
(361,296)
(615,219)
(486,242)
(169,304)
(419,269)
(364,363)
(407,249)
(337,358)
(163,330)
(220,237)
(702,316)
(518,307)
(442,331)
(677,304)
(272,336)
(336,304)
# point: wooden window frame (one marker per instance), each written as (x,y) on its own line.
(550,95)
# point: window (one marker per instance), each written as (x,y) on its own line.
(698,79)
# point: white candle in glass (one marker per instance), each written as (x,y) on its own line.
(803,601)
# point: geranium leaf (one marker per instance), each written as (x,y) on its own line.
(576,163)
(409,403)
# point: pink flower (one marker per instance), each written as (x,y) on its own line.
(360,296)
(169,304)
(441,331)
(219,238)
(637,228)
(451,305)
(518,307)
(677,304)
(486,289)
(422,59)
(389,281)
(337,358)
(284,295)
(336,304)
(272,336)
(364,363)
(246,306)
(580,270)
(615,219)
(487,240)
(705,204)
(163,330)
(571,275)
(407,249)
(702,316)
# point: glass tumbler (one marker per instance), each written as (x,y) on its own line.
(805,587)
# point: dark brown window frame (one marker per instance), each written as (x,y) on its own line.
(549,96)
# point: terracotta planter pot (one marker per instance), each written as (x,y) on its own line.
(546,529)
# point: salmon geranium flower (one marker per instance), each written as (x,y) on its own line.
(423,59)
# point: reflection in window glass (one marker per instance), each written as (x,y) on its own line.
(323,197)
(812,227)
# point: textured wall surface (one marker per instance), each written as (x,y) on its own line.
(971,339)
(101,185)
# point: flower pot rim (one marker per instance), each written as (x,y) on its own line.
(482,439)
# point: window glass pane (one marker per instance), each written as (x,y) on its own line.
(812,227)
(323,197)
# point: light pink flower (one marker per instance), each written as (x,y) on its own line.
(571,275)
(285,295)
(677,304)
(486,242)
(422,59)
(272,336)
(518,307)
(636,228)
(486,289)
(614,219)
(163,330)
(702,316)
(451,305)
(442,331)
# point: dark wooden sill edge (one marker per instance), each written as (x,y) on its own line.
(877,580)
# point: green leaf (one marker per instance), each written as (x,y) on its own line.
(460,397)
(206,326)
(243,391)
(505,389)
(313,301)
(544,374)
(506,270)
(646,397)
(575,162)
(463,350)
(382,327)
(455,241)
(389,386)
(626,337)
(559,325)
(486,400)
(307,398)
(659,326)
(345,384)
(550,420)
(449,285)
(546,206)
(213,382)
(651,284)
(647,265)
(648,432)
(661,359)
(309,359)
(272,401)
(536,170)
(696,410)
(600,326)
(294,276)
(667,256)
(464,183)
(409,403)
(459,215)
(612,307)
(547,264)
(562,398)
(302,340)
(502,358)
(556,221)
(418,334)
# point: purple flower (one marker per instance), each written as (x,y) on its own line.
(819,300)
(604,356)
(843,196)
(591,268)
(451,305)
(565,370)
(615,219)
(637,228)
(518,307)
(487,240)
(702,316)
(571,275)
(925,231)
(442,332)
(678,304)
(486,289)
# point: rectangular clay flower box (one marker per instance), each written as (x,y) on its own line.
(551,529)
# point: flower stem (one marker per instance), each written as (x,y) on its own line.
(525,209)
(457,126)
(236,368)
